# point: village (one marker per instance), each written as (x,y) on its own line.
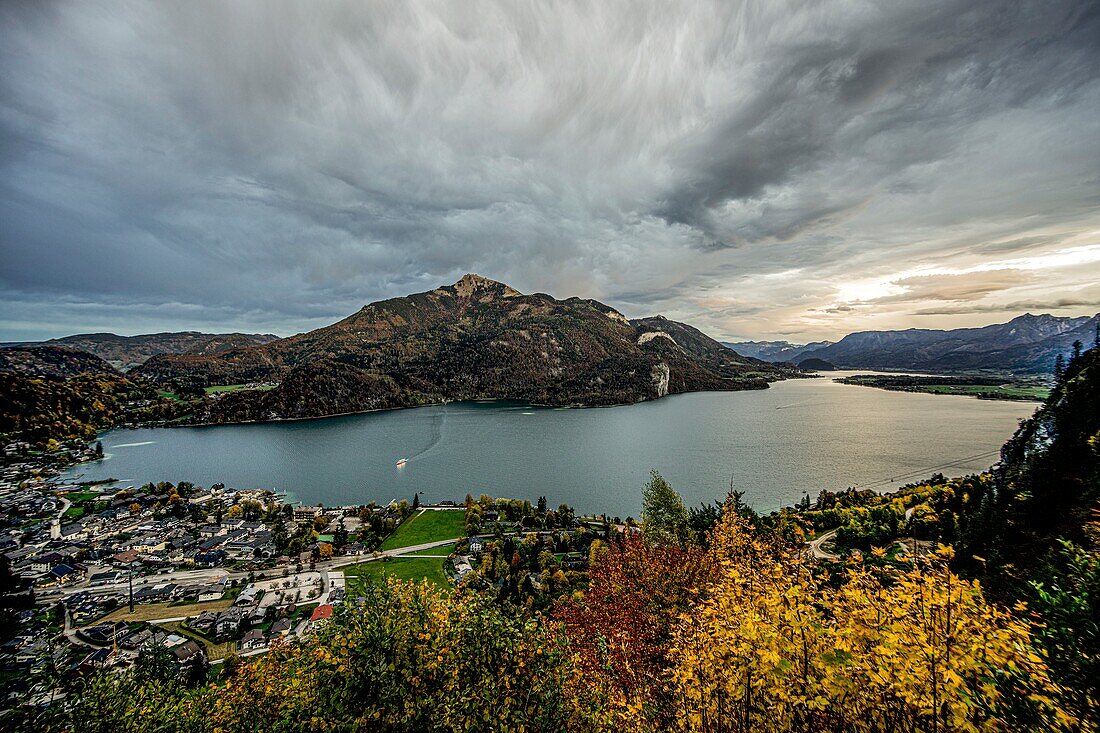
(102,574)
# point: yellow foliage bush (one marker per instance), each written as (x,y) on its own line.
(774,647)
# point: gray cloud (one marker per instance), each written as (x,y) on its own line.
(271,166)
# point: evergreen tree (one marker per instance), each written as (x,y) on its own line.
(154,662)
(664,518)
(1059,366)
(1077,346)
(948,527)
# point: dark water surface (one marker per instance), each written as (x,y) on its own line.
(798,436)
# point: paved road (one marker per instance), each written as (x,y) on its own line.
(814,546)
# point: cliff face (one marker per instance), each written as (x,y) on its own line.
(476,339)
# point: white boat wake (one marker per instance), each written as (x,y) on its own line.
(133,445)
(439,421)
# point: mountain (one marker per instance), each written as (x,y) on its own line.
(1027,344)
(127,352)
(475,339)
(51,361)
(816,365)
(774,351)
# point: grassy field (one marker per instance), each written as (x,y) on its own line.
(1011,391)
(429,526)
(168,395)
(152,611)
(78,496)
(411,568)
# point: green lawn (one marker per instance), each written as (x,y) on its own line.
(429,526)
(77,497)
(168,395)
(412,568)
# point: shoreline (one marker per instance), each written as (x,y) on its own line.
(537,405)
(991,394)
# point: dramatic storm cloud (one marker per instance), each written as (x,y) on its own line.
(758,168)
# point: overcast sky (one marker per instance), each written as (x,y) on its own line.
(796,170)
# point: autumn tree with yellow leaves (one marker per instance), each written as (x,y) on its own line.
(774,647)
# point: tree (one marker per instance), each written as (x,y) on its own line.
(154,662)
(195,672)
(664,518)
(1067,599)
(1059,366)
(473,519)
(230,663)
(416,500)
(620,629)
(461,660)
(340,535)
(99,448)
(542,505)
(918,649)
(1077,346)
(565,515)
(596,552)
(235,511)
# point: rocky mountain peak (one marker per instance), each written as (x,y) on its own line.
(472,284)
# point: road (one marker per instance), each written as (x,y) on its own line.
(65,504)
(814,546)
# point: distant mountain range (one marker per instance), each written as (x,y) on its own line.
(475,339)
(126,352)
(1027,344)
(774,351)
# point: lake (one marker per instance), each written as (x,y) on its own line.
(797,437)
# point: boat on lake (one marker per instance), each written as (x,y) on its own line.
(402,462)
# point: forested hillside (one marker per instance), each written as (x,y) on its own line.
(39,409)
(51,361)
(126,352)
